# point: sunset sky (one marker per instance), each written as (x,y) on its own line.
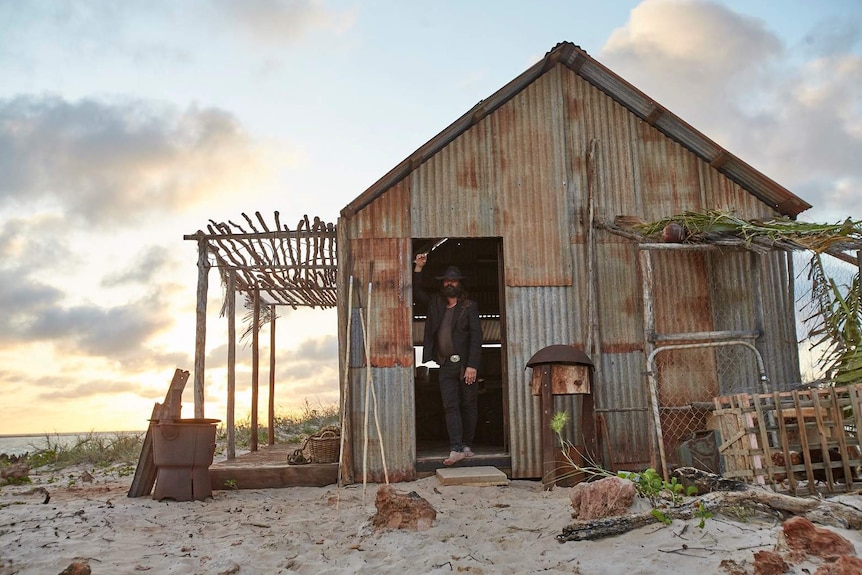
(125,125)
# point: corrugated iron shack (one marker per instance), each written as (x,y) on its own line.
(525,188)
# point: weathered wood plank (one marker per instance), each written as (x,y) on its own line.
(145,471)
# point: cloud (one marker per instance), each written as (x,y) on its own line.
(109,163)
(31,244)
(62,389)
(35,312)
(704,49)
(284,21)
(146,268)
(18,294)
(109,332)
(304,361)
(793,113)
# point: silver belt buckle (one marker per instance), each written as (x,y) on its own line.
(455,358)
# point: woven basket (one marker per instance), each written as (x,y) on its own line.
(323,447)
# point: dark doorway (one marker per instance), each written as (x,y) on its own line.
(479,260)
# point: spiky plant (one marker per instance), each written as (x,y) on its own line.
(836,324)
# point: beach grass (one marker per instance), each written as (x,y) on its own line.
(96,449)
(118,453)
(292,426)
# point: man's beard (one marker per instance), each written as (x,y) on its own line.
(451,291)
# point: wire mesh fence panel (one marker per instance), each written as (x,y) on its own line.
(704,332)
(686,404)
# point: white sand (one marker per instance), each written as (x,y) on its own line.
(478,530)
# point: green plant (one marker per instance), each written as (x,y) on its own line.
(16,481)
(230,484)
(648,484)
(661,516)
(652,486)
(123,470)
(836,324)
(701,513)
(558,423)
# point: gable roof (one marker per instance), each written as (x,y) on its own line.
(577,60)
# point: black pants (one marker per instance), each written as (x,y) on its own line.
(460,403)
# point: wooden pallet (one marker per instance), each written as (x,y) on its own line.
(812,435)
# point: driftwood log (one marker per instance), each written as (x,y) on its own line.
(719,493)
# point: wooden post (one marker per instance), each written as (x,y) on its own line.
(757,280)
(649,347)
(549,458)
(255,370)
(345,271)
(271,375)
(201,325)
(345,388)
(231,364)
(594,344)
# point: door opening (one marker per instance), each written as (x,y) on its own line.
(479,259)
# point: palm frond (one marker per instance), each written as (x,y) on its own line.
(703,226)
(266,316)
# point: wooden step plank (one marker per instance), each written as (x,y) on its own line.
(482,476)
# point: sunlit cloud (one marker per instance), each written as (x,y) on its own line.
(146,268)
(798,121)
(284,21)
(109,163)
(59,389)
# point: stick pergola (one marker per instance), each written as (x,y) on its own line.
(272,267)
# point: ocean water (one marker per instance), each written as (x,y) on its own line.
(21,444)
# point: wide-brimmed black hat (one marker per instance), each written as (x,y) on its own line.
(451,273)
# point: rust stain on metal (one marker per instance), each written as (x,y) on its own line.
(382,263)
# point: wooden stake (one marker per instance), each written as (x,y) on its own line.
(345,386)
(231,365)
(255,371)
(367,393)
(271,406)
(201,324)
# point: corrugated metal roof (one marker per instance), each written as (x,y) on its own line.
(576,59)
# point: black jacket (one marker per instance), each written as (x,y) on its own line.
(466,329)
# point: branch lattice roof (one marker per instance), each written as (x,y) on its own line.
(285,267)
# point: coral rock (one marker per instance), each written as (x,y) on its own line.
(399,510)
(802,535)
(606,497)
(845,565)
(16,471)
(76,568)
(769,563)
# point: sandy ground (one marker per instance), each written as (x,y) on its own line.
(321,530)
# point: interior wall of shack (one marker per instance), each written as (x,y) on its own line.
(521,174)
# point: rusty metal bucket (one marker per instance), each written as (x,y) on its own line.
(183,451)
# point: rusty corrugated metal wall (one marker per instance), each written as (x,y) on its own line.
(521,174)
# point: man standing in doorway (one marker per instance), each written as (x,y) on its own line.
(453,338)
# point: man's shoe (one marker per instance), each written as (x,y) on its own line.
(468,452)
(454,457)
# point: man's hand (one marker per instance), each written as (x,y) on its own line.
(420,261)
(470,375)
